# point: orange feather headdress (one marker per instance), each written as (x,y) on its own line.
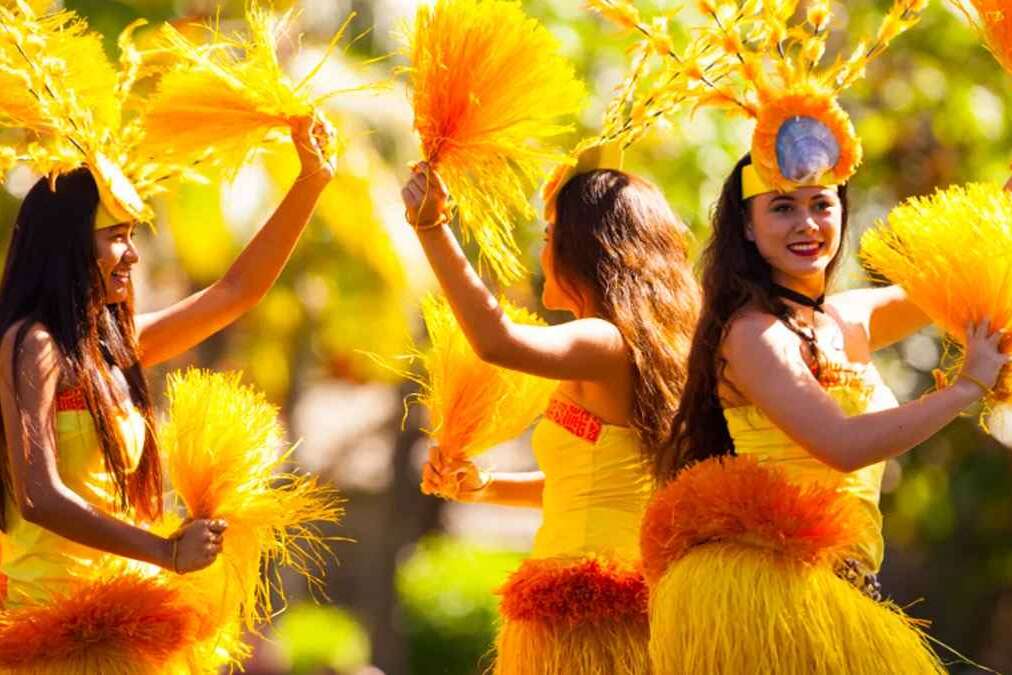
(753,61)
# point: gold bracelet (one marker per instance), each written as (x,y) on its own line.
(443,219)
(970,378)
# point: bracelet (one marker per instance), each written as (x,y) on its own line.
(970,378)
(443,219)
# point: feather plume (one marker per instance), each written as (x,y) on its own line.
(225,97)
(489,86)
(222,444)
(749,60)
(993,19)
(474,405)
(952,253)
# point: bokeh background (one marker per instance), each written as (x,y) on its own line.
(412,593)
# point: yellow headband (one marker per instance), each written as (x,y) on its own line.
(752,183)
(118,200)
(601,156)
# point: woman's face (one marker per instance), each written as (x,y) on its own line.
(555,295)
(116,253)
(798,233)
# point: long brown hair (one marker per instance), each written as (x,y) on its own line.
(51,277)
(616,233)
(734,275)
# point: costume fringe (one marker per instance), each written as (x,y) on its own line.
(122,623)
(474,405)
(222,447)
(993,19)
(570,616)
(225,96)
(489,86)
(755,591)
(952,253)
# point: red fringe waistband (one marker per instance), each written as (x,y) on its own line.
(739,499)
(586,591)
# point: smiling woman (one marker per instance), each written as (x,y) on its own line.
(80,474)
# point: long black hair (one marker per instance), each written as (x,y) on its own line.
(51,277)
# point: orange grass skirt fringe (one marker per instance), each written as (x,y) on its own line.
(566,616)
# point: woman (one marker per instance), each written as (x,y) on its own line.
(615,257)
(80,466)
(782,377)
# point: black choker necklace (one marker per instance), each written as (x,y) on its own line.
(800,298)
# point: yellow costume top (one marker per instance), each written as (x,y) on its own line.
(596,485)
(754,434)
(36,560)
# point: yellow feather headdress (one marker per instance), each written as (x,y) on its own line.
(752,60)
(226,95)
(67,99)
(490,86)
(993,19)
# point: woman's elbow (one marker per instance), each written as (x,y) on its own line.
(37,506)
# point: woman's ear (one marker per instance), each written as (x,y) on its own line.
(749,232)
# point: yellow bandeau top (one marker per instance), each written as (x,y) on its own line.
(856,393)
(596,485)
(35,560)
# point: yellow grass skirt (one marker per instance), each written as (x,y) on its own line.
(740,564)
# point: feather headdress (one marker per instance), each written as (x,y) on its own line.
(993,19)
(490,87)
(224,96)
(952,253)
(67,99)
(752,61)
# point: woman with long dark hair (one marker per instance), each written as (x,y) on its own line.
(80,467)
(778,448)
(616,258)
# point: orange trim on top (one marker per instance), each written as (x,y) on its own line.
(574,419)
(70,399)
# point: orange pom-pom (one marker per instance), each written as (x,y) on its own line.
(562,591)
(740,499)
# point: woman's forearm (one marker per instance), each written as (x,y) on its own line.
(71,517)
(513,489)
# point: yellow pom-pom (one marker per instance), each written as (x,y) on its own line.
(474,405)
(952,253)
(224,97)
(223,454)
(489,88)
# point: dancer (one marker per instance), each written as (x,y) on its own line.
(761,554)
(615,257)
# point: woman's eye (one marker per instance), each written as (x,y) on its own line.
(782,208)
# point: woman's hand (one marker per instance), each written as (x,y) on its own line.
(984,357)
(452,477)
(314,139)
(424,198)
(196,545)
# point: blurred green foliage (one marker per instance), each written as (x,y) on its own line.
(448,605)
(313,637)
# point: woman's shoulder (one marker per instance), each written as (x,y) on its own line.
(37,350)
(751,326)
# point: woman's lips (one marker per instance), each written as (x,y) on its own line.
(808,249)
